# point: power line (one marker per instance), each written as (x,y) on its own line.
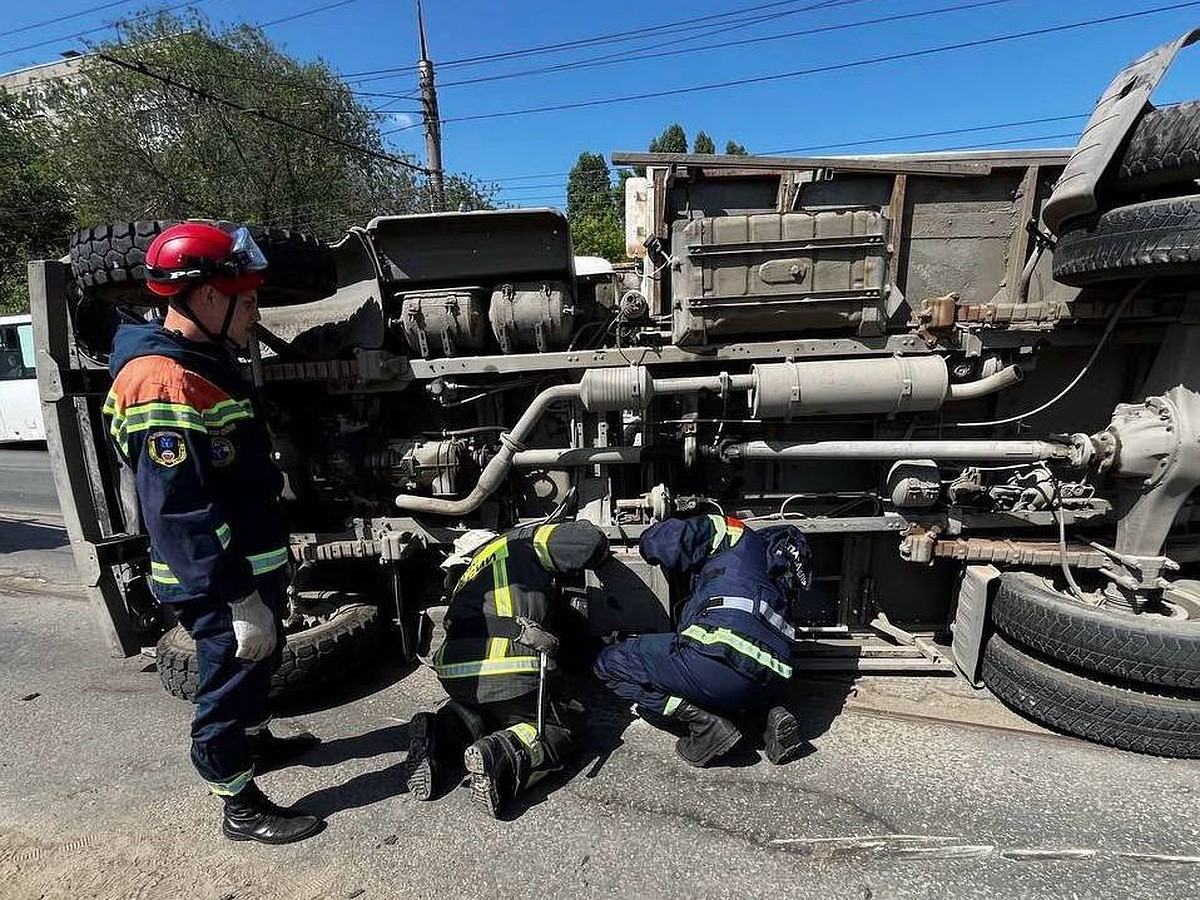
(643,33)
(301,15)
(638,55)
(56,20)
(833,67)
(103,27)
(142,69)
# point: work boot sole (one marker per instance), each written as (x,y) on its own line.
(290,838)
(720,747)
(782,738)
(419,776)
(484,791)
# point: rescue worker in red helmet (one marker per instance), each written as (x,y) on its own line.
(184,419)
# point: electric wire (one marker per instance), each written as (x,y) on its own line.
(830,67)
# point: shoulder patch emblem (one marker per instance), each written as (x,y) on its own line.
(223,452)
(166,448)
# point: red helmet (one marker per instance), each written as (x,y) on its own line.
(194,253)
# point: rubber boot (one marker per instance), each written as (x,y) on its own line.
(498,768)
(781,736)
(422,766)
(250,816)
(708,737)
(271,752)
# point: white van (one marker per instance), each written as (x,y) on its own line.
(20,408)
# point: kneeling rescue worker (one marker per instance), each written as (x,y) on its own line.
(183,418)
(731,652)
(500,638)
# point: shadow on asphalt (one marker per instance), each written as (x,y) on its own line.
(30,534)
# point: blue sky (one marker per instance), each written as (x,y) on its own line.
(1049,76)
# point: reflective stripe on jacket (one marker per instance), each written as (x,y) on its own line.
(480,660)
(182,417)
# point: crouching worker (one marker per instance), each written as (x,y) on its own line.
(184,420)
(500,640)
(730,654)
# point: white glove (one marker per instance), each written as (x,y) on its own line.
(254,628)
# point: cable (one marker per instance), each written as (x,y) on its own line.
(104,27)
(301,15)
(638,55)
(55,21)
(642,33)
(1108,329)
(142,69)
(833,67)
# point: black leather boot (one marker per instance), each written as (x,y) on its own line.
(250,816)
(271,752)
(422,766)
(709,735)
(498,767)
(781,736)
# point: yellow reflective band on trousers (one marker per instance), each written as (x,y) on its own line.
(741,645)
(528,736)
(231,786)
(508,665)
(224,535)
(161,573)
(671,705)
(262,563)
(541,546)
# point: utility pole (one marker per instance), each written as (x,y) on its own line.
(433,122)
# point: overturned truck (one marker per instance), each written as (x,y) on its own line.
(969,378)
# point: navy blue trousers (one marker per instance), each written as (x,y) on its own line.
(652,668)
(232,693)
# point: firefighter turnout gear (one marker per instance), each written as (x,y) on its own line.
(501,629)
(731,651)
(184,421)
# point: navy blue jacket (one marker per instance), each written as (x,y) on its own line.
(183,417)
(736,608)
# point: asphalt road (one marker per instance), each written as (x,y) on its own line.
(913,788)
(35,556)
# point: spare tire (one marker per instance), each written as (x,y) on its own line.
(1148,648)
(1105,713)
(1163,150)
(109,261)
(315,656)
(1158,237)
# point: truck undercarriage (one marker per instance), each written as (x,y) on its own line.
(966,387)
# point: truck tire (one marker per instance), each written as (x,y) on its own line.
(1101,712)
(1147,648)
(315,656)
(109,261)
(1158,237)
(1163,150)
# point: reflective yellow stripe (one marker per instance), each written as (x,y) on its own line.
(160,415)
(161,573)
(735,534)
(720,529)
(510,665)
(541,546)
(482,558)
(671,705)
(528,736)
(262,563)
(231,786)
(227,411)
(224,536)
(741,645)
(502,597)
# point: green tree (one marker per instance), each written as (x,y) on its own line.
(35,213)
(592,209)
(733,148)
(704,143)
(672,140)
(133,147)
